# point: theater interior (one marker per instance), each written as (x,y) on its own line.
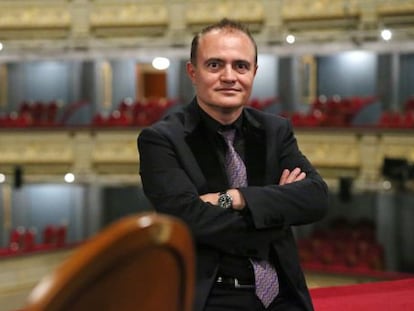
(79,79)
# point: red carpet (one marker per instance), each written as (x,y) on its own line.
(379,296)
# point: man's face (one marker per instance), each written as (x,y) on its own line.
(224,71)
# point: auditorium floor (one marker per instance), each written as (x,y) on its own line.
(18,275)
(317,279)
(12,300)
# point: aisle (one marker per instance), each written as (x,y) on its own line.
(376,296)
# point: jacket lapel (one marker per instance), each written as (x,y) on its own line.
(255,155)
(207,158)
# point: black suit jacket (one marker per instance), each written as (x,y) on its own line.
(178,164)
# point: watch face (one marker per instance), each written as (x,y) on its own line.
(225,200)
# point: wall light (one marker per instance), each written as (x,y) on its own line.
(1,46)
(2,178)
(69,178)
(290,39)
(161,63)
(386,34)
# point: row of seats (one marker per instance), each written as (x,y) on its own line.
(343,246)
(386,120)
(146,111)
(332,111)
(128,113)
(401,120)
(354,111)
(135,113)
(23,240)
(32,114)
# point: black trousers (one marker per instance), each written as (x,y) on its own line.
(235,299)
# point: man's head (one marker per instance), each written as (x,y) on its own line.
(222,68)
(223,24)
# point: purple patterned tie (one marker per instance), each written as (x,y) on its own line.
(267,283)
(235,168)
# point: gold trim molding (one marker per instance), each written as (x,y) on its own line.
(34,17)
(200,12)
(113,153)
(111,23)
(115,15)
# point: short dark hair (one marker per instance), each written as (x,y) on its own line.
(225,23)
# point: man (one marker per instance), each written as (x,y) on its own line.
(235,225)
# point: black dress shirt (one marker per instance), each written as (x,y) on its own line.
(230,265)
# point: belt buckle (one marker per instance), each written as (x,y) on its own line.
(238,285)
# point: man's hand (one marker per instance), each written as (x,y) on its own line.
(210,198)
(291,176)
(238,200)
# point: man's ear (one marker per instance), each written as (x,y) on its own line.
(190,71)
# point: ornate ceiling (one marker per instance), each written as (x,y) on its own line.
(61,28)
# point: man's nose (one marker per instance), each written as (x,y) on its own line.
(228,73)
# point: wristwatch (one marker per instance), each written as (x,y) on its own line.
(225,200)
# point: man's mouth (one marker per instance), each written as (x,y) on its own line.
(226,90)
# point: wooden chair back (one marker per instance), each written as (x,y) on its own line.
(141,262)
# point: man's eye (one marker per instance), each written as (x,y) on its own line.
(213,65)
(242,67)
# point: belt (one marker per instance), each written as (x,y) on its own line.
(234,283)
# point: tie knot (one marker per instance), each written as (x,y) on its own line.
(229,135)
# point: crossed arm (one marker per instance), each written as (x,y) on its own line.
(287,177)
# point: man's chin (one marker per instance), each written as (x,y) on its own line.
(230,102)
(225,103)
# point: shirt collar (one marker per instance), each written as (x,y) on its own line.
(214,126)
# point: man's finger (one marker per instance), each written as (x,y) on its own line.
(301,176)
(293,175)
(283,178)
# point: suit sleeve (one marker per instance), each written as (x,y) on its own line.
(170,189)
(298,203)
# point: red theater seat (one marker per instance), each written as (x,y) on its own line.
(61,232)
(29,240)
(49,234)
(16,240)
